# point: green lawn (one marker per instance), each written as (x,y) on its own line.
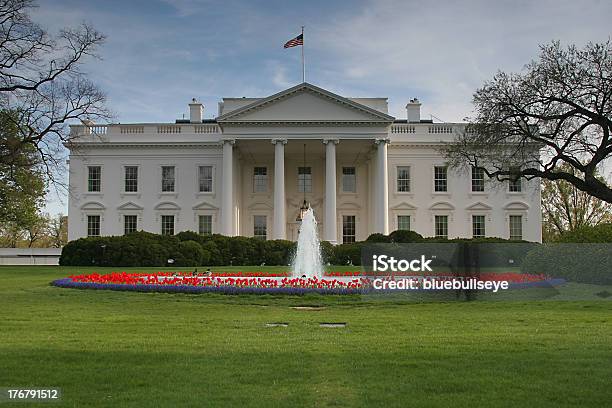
(107,348)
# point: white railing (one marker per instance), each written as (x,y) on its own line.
(441,128)
(131,129)
(427,128)
(402,128)
(169,129)
(95,130)
(206,129)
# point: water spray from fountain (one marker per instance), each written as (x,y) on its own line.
(308,260)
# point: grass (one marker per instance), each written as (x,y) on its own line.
(105,348)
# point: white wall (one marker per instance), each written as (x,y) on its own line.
(149,203)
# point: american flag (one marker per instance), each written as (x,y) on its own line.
(294,42)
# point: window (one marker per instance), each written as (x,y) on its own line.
(514,185)
(167,179)
(478,179)
(441,226)
(167,226)
(260,179)
(260,226)
(130,224)
(403,179)
(304,180)
(94,179)
(349,180)
(131,179)
(348,229)
(516,227)
(205,179)
(440,178)
(478,226)
(93,225)
(403,222)
(205,224)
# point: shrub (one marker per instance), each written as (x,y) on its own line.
(574,262)
(378,237)
(405,237)
(190,253)
(327,252)
(278,252)
(346,254)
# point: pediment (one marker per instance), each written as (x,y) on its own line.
(404,206)
(167,205)
(517,205)
(304,103)
(129,206)
(93,205)
(205,206)
(479,207)
(442,206)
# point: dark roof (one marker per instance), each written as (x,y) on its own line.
(203,121)
(406,121)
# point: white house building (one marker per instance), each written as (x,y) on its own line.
(248,171)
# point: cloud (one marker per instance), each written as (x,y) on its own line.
(443,51)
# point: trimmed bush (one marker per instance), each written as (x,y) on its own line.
(378,237)
(185,249)
(573,262)
(188,248)
(346,254)
(405,237)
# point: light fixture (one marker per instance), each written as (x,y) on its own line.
(305,206)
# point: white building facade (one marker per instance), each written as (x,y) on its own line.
(248,171)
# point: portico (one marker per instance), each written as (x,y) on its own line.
(281,126)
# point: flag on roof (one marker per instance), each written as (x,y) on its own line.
(294,42)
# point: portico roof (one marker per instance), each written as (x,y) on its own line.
(305,103)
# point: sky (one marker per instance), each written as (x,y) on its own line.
(159,54)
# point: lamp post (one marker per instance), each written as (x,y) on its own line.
(305,205)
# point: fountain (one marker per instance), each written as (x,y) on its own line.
(308,260)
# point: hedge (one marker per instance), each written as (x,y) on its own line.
(574,262)
(184,249)
(189,249)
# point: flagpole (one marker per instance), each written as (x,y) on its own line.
(303,66)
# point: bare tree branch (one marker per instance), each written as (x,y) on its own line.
(557,112)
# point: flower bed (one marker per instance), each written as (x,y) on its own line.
(264,283)
(190,283)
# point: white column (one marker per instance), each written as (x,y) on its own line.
(280,215)
(382,191)
(330,232)
(227,199)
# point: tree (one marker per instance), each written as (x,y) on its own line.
(551,121)
(566,208)
(36,230)
(22,181)
(42,85)
(57,231)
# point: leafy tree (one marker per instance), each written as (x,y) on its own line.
(566,208)
(22,181)
(554,116)
(36,229)
(57,231)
